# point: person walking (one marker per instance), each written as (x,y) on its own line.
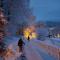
(28,38)
(21,44)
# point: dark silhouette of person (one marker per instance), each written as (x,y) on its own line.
(20,44)
(28,38)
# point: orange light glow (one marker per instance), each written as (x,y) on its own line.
(26,33)
(29,32)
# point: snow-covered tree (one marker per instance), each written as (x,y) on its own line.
(3,23)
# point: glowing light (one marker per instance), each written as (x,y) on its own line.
(34,35)
(26,33)
(58,35)
(30,32)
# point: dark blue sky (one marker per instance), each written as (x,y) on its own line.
(46,10)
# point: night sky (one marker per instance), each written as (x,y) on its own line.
(46,10)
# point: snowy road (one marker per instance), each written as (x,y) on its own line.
(37,52)
(31,49)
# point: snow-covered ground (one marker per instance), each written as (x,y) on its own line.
(31,50)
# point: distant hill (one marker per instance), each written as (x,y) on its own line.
(53,24)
